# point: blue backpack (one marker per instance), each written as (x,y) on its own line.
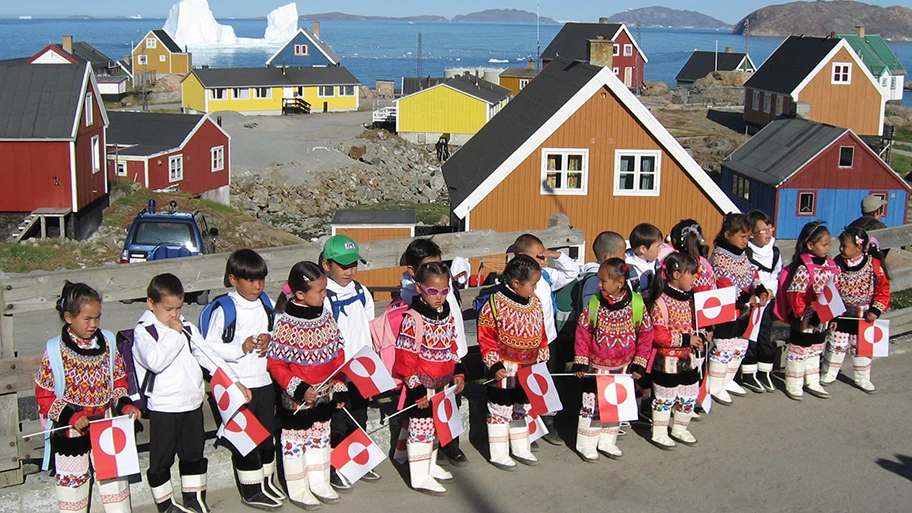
(338,305)
(230,312)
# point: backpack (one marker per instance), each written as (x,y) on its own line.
(230,312)
(136,387)
(782,308)
(568,305)
(636,303)
(338,306)
(384,331)
(485,295)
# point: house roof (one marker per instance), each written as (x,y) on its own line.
(167,41)
(519,73)
(572,41)
(85,52)
(374,217)
(781,149)
(478,88)
(791,63)
(702,63)
(267,77)
(874,53)
(42,101)
(324,48)
(559,91)
(111,79)
(412,85)
(148,133)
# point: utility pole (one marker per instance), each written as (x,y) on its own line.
(636,60)
(420,71)
(747,36)
(145,90)
(537,32)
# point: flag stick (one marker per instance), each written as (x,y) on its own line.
(357,424)
(61,428)
(325,381)
(404,410)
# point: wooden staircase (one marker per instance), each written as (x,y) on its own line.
(39,217)
(296,105)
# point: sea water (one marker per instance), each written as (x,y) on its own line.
(374,50)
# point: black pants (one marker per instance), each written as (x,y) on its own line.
(262,406)
(341,424)
(764,349)
(173,434)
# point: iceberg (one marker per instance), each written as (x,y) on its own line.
(191,23)
(282,24)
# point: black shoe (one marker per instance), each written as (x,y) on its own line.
(766,379)
(338,482)
(750,382)
(551,437)
(256,499)
(195,501)
(454,455)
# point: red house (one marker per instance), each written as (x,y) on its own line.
(52,139)
(580,42)
(186,152)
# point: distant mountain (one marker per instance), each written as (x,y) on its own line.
(821,18)
(341,16)
(501,16)
(665,17)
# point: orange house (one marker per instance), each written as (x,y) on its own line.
(158,53)
(372,225)
(578,142)
(516,79)
(820,79)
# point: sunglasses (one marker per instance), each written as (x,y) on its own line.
(431,291)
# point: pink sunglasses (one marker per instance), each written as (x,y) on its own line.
(431,291)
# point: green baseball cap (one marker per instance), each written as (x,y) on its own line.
(342,250)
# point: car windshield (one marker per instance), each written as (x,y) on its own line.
(153,233)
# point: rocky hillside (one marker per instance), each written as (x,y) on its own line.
(821,18)
(665,17)
(501,16)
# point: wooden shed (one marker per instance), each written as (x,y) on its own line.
(373,225)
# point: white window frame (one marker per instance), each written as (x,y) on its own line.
(89,109)
(779,104)
(841,73)
(628,50)
(120,168)
(258,96)
(175,163)
(523,82)
(96,154)
(343,93)
(565,153)
(813,212)
(162,58)
(755,104)
(638,154)
(616,51)
(740,187)
(217,94)
(142,59)
(235,93)
(218,158)
(151,42)
(852,164)
(885,82)
(767,102)
(301,50)
(322,88)
(893,83)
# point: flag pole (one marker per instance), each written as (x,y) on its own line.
(325,381)
(357,424)
(61,428)
(403,410)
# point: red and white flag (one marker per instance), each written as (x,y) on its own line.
(874,338)
(368,373)
(401,453)
(616,398)
(716,306)
(537,428)
(356,455)
(447,421)
(540,389)
(114,448)
(704,399)
(752,332)
(829,305)
(244,431)
(228,397)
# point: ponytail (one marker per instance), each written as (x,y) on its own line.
(300,277)
(687,237)
(810,233)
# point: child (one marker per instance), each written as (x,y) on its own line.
(808,335)
(171,349)
(81,378)
(618,343)
(246,353)
(304,357)
(674,373)
(864,286)
(732,268)
(511,334)
(763,253)
(352,307)
(645,242)
(552,279)
(607,245)
(418,253)
(427,364)
(687,237)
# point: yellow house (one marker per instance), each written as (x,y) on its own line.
(459,107)
(270,90)
(158,53)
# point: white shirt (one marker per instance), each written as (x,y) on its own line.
(410,290)
(567,271)
(251,320)
(764,256)
(354,321)
(644,271)
(178,385)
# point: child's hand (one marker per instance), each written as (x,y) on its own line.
(871,317)
(133,412)
(81,424)
(695,341)
(460,384)
(263,340)
(423,403)
(248,395)
(339,406)
(550,253)
(176,325)
(765,299)
(580,374)
(708,335)
(636,376)
(310,395)
(248,345)
(501,374)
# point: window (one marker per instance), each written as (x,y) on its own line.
(262,93)
(348,90)
(323,91)
(740,187)
(616,50)
(767,102)
(628,50)
(565,171)
(121,169)
(842,73)
(523,82)
(217,94)
(882,195)
(807,203)
(176,168)
(616,70)
(161,58)
(218,158)
(299,92)
(96,154)
(846,156)
(892,82)
(780,101)
(884,82)
(300,50)
(636,172)
(241,94)
(89,110)
(151,43)
(142,59)
(756,100)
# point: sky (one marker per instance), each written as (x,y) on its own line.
(562,10)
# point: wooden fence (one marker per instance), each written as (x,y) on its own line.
(37,292)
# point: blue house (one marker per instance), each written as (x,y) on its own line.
(798,171)
(303,50)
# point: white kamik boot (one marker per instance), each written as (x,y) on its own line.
(587,439)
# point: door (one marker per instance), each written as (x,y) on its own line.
(628,76)
(288,92)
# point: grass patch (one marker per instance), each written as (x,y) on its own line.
(904,147)
(902,133)
(22,258)
(427,213)
(218,208)
(901,164)
(901,299)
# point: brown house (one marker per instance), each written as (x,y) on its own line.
(158,53)
(820,79)
(516,79)
(578,142)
